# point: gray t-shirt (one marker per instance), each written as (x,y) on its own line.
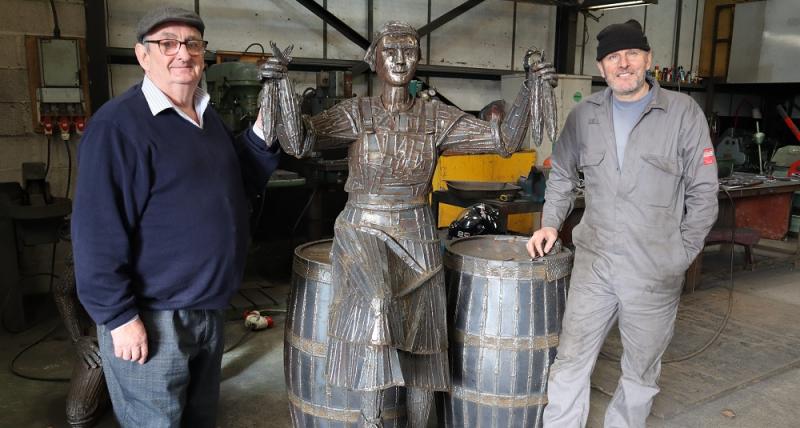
(625,116)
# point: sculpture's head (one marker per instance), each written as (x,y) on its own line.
(394,53)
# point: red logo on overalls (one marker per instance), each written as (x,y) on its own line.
(708,156)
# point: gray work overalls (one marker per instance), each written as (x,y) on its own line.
(643,225)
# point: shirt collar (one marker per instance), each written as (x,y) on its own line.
(157,101)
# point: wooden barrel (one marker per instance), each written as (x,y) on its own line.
(312,402)
(505,315)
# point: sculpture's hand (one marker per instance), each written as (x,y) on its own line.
(547,72)
(537,68)
(273,69)
(276,66)
(88,352)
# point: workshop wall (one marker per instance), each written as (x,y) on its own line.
(18,143)
(658,22)
(479,38)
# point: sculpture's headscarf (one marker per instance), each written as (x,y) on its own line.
(393,28)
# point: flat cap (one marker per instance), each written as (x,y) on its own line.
(615,37)
(165,14)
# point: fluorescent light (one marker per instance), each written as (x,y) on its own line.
(621,4)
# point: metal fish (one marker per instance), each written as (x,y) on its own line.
(544,115)
(270,109)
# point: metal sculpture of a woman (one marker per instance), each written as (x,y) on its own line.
(387,323)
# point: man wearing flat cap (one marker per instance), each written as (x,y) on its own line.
(651,198)
(160,229)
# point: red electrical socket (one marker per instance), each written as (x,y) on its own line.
(80,124)
(47,125)
(63,125)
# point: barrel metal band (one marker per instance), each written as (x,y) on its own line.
(312,270)
(494,269)
(315,349)
(506,343)
(493,400)
(340,415)
(558,266)
(550,268)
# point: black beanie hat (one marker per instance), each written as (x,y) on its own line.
(628,35)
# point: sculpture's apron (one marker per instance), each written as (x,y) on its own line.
(387,264)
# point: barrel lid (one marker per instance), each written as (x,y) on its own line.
(502,256)
(502,248)
(317,251)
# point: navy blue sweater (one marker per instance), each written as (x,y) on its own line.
(160,219)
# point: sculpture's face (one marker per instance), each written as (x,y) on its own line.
(396,58)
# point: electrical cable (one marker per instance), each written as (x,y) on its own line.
(254,44)
(56,29)
(69,168)
(7,299)
(47,165)
(728,312)
(238,342)
(303,212)
(12,365)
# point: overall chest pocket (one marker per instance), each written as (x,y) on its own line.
(589,163)
(659,180)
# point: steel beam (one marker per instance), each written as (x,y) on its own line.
(335,22)
(566,31)
(447,17)
(95,12)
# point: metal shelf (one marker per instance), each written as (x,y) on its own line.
(127,56)
(689,87)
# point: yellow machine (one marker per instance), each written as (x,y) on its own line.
(484,168)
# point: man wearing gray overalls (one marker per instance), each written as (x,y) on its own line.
(651,198)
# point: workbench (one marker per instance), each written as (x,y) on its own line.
(765,207)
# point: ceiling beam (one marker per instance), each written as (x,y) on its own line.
(336,23)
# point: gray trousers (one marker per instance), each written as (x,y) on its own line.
(646,317)
(179,383)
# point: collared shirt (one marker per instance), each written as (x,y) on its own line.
(158,101)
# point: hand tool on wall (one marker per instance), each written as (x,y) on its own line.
(788,121)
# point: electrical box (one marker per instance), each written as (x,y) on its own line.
(58,82)
(571,90)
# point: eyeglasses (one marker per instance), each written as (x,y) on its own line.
(171,46)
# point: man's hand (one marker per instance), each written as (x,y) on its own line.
(88,352)
(548,235)
(130,341)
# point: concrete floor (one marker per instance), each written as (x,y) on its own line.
(253,392)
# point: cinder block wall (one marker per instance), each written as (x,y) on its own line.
(18,142)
